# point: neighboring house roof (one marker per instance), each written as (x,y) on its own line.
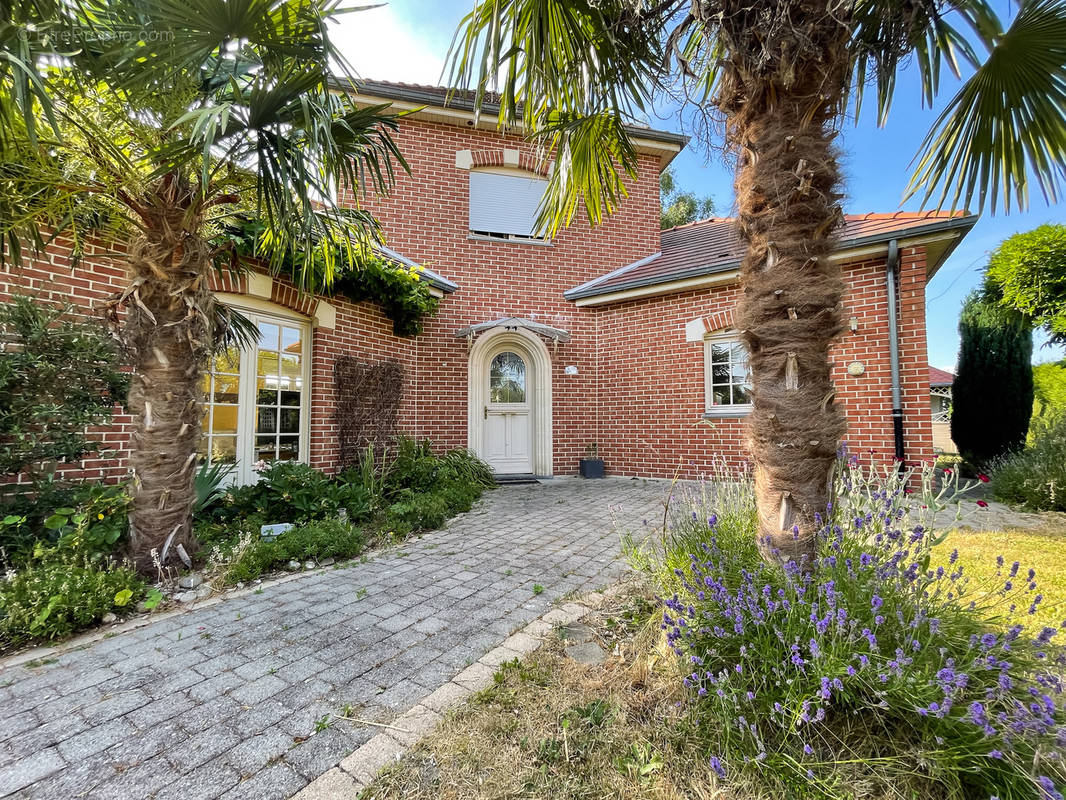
(938,377)
(434,278)
(463,100)
(713,246)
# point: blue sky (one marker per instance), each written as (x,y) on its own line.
(407,40)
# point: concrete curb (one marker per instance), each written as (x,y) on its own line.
(357,771)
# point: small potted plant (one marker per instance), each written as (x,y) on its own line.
(591,464)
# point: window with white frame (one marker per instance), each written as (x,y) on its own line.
(257,399)
(504,205)
(727,376)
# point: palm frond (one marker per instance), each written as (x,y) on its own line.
(1006,127)
(565,72)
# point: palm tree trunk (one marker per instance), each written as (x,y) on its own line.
(166,330)
(785,84)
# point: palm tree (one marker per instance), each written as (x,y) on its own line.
(158,125)
(780,74)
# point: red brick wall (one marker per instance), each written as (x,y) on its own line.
(639,388)
(652,380)
(425,219)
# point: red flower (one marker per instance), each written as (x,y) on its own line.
(947,472)
(983,478)
(982,503)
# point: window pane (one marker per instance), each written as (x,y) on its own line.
(290,398)
(719,353)
(720,396)
(290,369)
(737,353)
(268,336)
(226,389)
(719,373)
(290,340)
(288,448)
(268,364)
(266,392)
(228,361)
(223,448)
(265,448)
(740,373)
(290,420)
(224,419)
(507,379)
(741,395)
(266,420)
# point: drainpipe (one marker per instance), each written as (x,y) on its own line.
(893,349)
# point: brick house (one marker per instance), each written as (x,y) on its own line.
(619,337)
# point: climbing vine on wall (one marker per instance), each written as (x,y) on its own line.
(400,291)
(367,401)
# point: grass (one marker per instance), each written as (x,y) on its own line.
(549,728)
(1044,550)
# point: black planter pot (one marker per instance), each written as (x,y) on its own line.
(591,468)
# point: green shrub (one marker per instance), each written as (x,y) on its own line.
(1035,477)
(415,467)
(61,592)
(874,667)
(89,518)
(417,511)
(59,375)
(288,491)
(248,556)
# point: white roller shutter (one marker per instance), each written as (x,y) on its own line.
(504,203)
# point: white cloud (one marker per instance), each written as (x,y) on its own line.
(379,44)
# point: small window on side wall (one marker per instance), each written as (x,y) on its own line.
(727,375)
(504,206)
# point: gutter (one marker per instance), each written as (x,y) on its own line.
(891,265)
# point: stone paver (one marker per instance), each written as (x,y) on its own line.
(236,699)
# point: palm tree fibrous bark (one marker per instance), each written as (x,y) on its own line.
(168,333)
(781,93)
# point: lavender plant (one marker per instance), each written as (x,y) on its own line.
(871,672)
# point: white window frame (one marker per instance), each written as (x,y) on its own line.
(730,337)
(263,311)
(497,236)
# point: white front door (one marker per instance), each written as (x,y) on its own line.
(508,423)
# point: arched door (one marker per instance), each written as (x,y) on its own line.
(507,417)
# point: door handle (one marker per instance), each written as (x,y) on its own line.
(486,412)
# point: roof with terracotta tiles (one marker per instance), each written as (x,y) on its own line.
(713,245)
(939,377)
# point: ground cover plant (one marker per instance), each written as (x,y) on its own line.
(383,498)
(62,544)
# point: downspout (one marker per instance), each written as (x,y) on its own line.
(893,350)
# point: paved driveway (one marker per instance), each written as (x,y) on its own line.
(223,701)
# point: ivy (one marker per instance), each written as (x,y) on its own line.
(400,291)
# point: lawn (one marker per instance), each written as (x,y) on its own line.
(1043,550)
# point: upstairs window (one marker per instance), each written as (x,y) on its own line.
(504,206)
(727,375)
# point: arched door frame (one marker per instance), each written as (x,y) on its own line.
(539,376)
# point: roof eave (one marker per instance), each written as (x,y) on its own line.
(961,224)
(670,143)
